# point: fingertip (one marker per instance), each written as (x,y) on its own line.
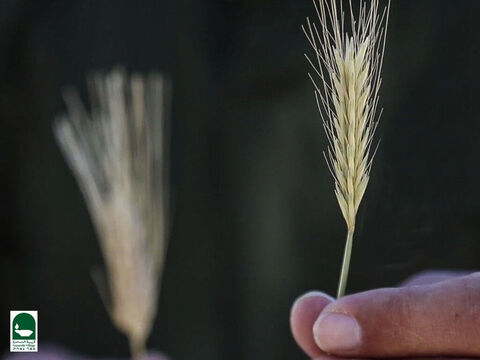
(316,295)
(303,315)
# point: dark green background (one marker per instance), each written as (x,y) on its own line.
(25,322)
(255,220)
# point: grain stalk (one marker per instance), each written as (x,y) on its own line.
(347,81)
(116,152)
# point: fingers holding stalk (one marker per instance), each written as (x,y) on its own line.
(439,319)
(433,314)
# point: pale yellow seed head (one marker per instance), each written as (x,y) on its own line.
(348,67)
(116,152)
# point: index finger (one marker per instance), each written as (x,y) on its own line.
(303,315)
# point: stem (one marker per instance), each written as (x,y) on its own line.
(342,284)
(137,348)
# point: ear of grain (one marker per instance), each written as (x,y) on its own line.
(347,81)
(116,153)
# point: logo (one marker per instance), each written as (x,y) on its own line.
(23,331)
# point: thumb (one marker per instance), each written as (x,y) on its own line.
(441,319)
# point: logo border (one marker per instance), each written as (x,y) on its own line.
(13,314)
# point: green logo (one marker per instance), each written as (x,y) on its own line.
(23,330)
(23,327)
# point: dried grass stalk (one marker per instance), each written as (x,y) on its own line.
(116,153)
(347,69)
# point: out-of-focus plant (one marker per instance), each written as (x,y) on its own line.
(117,154)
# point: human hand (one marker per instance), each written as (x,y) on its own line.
(433,314)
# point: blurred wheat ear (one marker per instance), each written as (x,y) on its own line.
(347,82)
(117,154)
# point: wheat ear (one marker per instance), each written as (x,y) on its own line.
(116,153)
(347,82)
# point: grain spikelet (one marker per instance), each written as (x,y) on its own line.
(116,153)
(347,82)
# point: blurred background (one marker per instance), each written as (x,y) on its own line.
(255,221)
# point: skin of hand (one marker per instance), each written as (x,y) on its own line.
(432,314)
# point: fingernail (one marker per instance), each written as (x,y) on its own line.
(337,332)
